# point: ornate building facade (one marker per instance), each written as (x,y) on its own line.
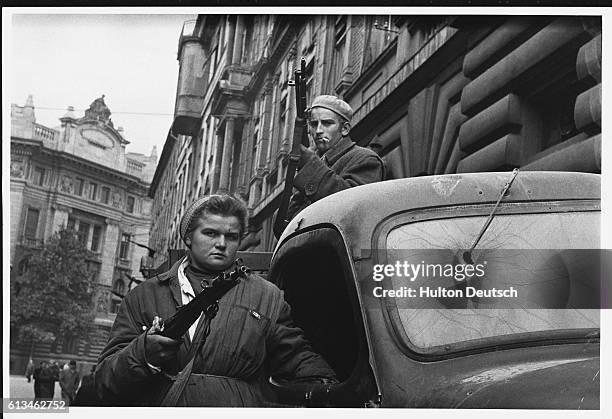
(431,95)
(79,175)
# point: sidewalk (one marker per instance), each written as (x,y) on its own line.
(21,389)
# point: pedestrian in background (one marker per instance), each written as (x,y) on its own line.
(55,368)
(44,381)
(29,370)
(69,382)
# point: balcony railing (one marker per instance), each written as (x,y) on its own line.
(32,242)
(134,167)
(123,263)
(43,133)
(238,77)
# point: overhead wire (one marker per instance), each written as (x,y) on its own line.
(113,112)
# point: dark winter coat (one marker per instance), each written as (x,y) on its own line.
(86,395)
(44,382)
(343,166)
(251,338)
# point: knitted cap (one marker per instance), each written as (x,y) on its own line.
(222,204)
(334,104)
(190,212)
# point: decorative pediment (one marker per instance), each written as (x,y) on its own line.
(97,137)
(97,128)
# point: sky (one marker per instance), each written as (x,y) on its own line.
(71,59)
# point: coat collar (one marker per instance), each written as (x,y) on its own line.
(342,146)
(171,277)
(171,273)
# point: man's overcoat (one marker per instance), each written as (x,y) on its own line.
(343,166)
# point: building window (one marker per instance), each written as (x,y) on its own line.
(380,31)
(124,247)
(130,204)
(88,232)
(23,265)
(309,76)
(115,304)
(281,125)
(31,224)
(80,185)
(39,176)
(247,40)
(339,47)
(254,155)
(120,274)
(105,195)
(94,269)
(96,238)
(93,191)
(83,232)
(212,64)
(119,287)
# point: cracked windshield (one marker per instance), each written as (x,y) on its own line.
(531,274)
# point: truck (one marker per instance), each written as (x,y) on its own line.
(539,349)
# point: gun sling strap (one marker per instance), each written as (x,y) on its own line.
(180,381)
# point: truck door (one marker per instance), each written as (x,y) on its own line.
(315,272)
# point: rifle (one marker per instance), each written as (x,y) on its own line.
(300,137)
(206,301)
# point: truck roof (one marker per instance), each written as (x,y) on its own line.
(357,211)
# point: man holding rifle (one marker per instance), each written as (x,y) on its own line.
(337,162)
(332,163)
(226,357)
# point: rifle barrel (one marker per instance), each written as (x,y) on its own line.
(300,136)
(302,104)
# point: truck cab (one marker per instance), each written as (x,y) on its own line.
(538,349)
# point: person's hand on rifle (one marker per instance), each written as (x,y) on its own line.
(159,350)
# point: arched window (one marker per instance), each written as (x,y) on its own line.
(23,265)
(119,286)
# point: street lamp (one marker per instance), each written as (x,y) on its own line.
(146,262)
(132,280)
